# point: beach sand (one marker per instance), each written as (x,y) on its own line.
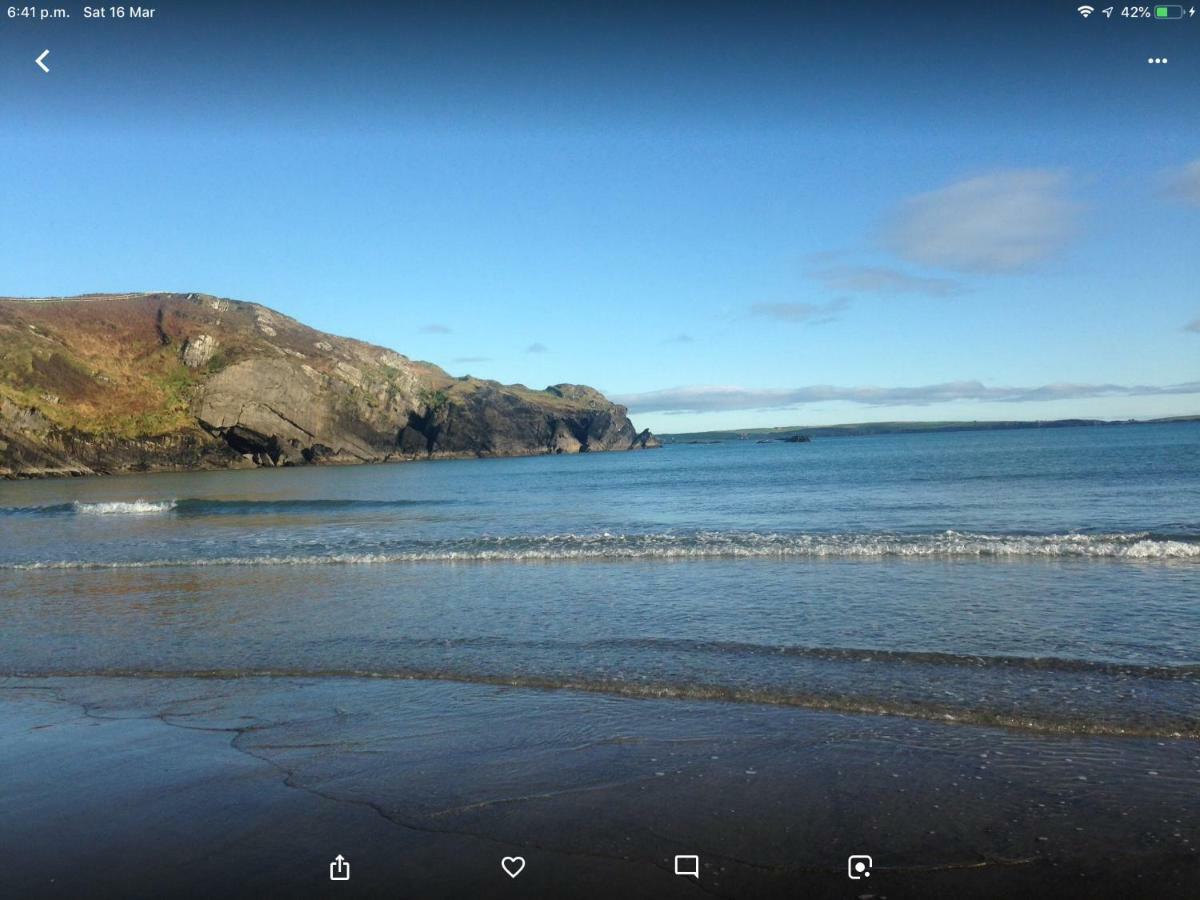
(196,787)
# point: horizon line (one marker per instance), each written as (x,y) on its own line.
(940,422)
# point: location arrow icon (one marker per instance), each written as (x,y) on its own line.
(41,65)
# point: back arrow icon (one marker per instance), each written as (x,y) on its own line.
(41,65)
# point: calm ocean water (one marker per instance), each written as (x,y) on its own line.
(1045,579)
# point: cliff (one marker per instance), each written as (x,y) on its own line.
(155,382)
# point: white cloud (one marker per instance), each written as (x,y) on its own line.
(1001,222)
(705,398)
(885,280)
(436,329)
(808,313)
(537,348)
(680,339)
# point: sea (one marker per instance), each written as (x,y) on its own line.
(1037,579)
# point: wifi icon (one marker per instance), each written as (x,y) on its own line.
(1086,11)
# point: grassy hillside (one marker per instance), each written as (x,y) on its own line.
(173,380)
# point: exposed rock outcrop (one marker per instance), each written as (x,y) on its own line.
(646,441)
(199,350)
(145,382)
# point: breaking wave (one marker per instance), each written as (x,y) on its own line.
(125,508)
(1144,546)
(204,507)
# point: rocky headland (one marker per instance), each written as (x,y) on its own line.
(103,384)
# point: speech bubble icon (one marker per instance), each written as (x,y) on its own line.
(687,865)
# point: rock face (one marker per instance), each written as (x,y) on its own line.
(198,351)
(144,382)
(646,441)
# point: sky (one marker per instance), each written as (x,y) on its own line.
(722,215)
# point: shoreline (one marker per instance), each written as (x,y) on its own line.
(948,716)
(338,463)
(682,439)
(190,787)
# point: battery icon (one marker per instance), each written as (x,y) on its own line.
(1168,12)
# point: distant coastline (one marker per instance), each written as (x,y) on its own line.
(868,428)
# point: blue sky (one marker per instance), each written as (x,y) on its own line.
(724,217)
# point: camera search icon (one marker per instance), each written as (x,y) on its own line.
(859,867)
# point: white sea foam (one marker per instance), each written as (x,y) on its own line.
(705,545)
(125,508)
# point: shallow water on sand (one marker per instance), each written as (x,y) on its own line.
(248,787)
(1043,579)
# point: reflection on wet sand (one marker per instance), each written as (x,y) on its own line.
(423,785)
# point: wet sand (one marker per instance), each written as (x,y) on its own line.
(192,787)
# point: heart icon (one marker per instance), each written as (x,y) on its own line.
(513,865)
